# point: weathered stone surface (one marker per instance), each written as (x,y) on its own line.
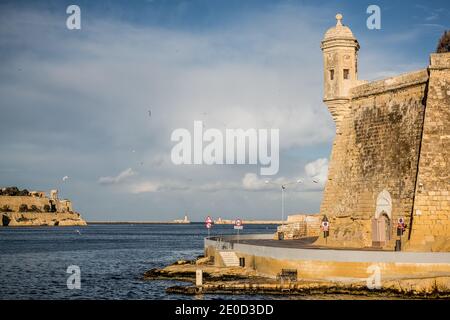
(201,261)
(392,143)
(300,226)
(24,219)
(35,208)
(222,280)
(432,196)
(186,272)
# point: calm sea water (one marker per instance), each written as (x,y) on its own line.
(112,259)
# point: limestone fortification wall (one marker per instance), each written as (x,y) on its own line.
(299,226)
(14,202)
(62,217)
(431,219)
(376,148)
(27,219)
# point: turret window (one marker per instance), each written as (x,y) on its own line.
(331,74)
(346,74)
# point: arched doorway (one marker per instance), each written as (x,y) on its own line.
(381,223)
(387,226)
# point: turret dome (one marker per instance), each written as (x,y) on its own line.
(340,31)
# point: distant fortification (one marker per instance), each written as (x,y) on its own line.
(35,208)
(390,156)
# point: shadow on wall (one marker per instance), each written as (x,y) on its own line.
(5,220)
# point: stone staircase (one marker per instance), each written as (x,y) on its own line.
(229,258)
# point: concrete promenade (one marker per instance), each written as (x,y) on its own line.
(269,257)
(264,245)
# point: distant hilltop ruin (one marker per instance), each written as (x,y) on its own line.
(35,208)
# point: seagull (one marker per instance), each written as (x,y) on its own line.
(78,231)
(65,178)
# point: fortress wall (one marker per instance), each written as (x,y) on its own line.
(14,202)
(431,219)
(376,148)
(28,219)
(299,226)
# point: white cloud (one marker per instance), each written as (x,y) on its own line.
(180,185)
(313,178)
(121,177)
(317,171)
(144,187)
(252,182)
(218,186)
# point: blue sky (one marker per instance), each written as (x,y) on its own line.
(76,102)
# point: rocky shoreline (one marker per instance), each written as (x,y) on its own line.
(237,280)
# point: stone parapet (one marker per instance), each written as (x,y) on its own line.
(389,84)
(439,61)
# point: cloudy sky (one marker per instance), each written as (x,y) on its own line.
(77,103)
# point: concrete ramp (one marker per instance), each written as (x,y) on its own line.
(229,258)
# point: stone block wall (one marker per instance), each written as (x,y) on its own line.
(29,219)
(291,231)
(431,219)
(300,226)
(14,202)
(376,148)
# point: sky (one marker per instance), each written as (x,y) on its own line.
(99,104)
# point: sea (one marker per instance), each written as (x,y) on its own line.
(36,262)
